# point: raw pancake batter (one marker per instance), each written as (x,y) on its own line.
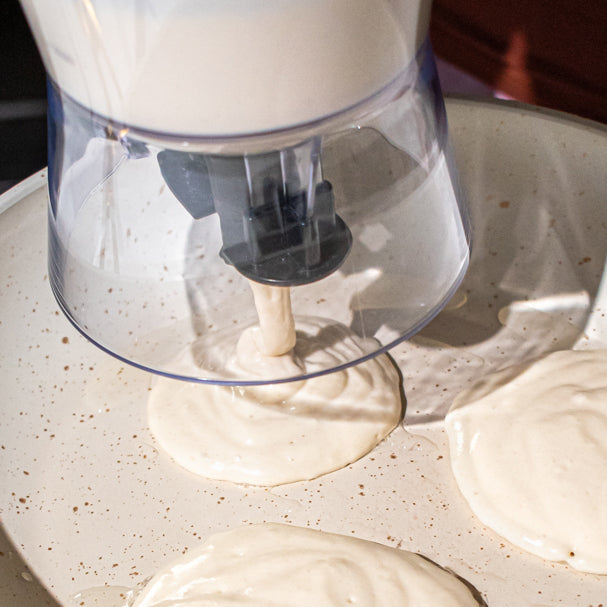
(279,433)
(529,453)
(271,564)
(276,324)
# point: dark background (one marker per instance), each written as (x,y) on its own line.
(551,53)
(22,99)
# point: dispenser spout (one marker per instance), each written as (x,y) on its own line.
(277,214)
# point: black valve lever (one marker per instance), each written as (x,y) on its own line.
(274,230)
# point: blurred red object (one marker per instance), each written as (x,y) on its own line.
(551,53)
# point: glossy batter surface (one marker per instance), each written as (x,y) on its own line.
(529,453)
(278,433)
(271,564)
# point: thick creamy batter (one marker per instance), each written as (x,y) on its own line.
(271,564)
(276,324)
(279,433)
(529,452)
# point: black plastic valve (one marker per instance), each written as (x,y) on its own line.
(274,229)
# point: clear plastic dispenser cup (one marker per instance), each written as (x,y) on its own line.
(201,145)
